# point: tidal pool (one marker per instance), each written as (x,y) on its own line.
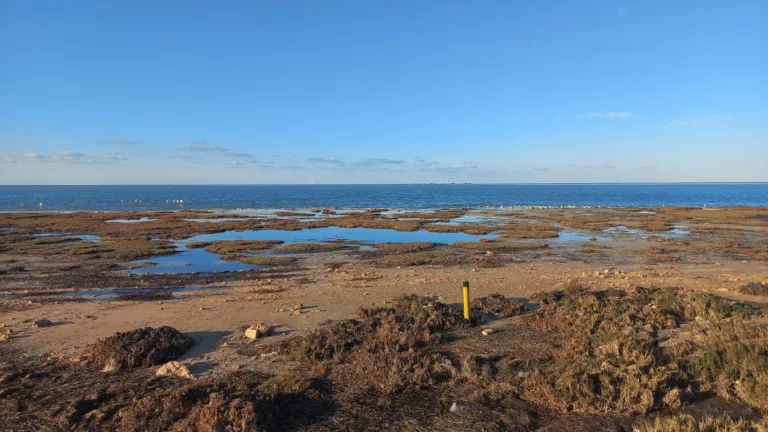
(109,295)
(201,261)
(569,236)
(675,232)
(328,234)
(189,261)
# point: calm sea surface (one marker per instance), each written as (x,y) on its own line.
(105,198)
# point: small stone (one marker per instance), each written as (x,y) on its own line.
(297,312)
(42,323)
(299,306)
(456,408)
(174,368)
(489,253)
(488,331)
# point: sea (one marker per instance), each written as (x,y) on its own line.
(401,196)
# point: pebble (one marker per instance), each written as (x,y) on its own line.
(488,331)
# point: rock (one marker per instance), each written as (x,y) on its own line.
(489,253)
(297,312)
(42,323)
(299,306)
(456,407)
(176,369)
(258,330)
(488,331)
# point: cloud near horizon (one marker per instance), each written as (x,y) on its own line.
(203,147)
(72,157)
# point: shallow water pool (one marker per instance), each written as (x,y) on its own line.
(116,294)
(675,232)
(189,261)
(327,234)
(569,236)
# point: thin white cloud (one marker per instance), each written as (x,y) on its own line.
(418,160)
(379,163)
(113,157)
(608,115)
(73,157)
(10,161)
(328,161)
(239,155)
(203,147)
(68,156)
(464,166)
(34,157)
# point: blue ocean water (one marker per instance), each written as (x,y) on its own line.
(109,198)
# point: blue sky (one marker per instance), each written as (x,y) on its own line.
(95,92)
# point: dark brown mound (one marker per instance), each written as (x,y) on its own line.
(755,288)
(140,348)
(498,305)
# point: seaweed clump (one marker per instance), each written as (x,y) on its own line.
(142,347)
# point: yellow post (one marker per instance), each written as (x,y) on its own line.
(466,300)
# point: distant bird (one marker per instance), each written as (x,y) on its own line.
(122,200)
(22,205)
(181,201)
(41,204)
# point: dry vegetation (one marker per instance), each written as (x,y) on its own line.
(399,248)
(473,229)
(240,246)
(139,348)
(755,289)
(311,247)
(597,359)
(500,246)
(688,423)
(264,260)
(499,306)
(441,257)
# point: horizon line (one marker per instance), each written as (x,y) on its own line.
(396,184)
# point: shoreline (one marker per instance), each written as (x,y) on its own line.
(252,210)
